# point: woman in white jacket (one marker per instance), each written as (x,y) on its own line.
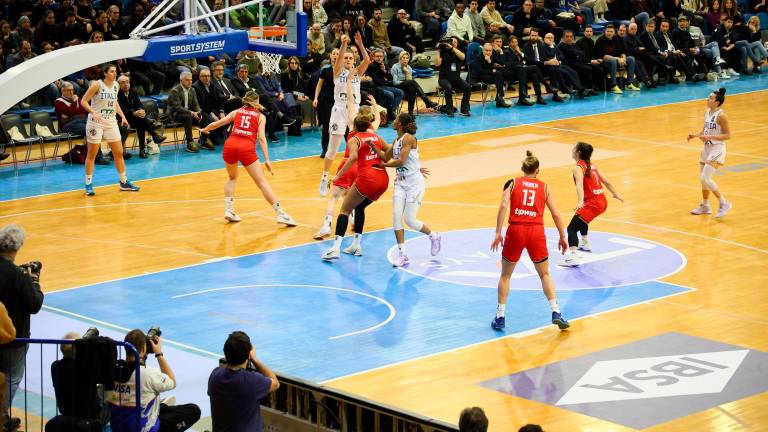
(402,77)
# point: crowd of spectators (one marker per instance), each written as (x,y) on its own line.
(550,43)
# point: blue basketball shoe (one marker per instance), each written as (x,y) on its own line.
(89,189)
(558,320)
(498,323)
(128,186)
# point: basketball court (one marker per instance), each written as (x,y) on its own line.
(667,312)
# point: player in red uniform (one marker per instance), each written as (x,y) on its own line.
(371,182)
(241,147)
(342,184)
(592,202)
(526,196)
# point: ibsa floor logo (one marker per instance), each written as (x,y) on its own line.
(647,382)
(615,260)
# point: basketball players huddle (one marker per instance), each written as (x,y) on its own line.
(362,177)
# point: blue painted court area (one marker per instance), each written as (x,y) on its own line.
(320,321)
(34,180)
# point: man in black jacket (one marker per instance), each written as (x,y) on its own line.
(534,52)
(483,69)
(679,60)
(683,41)
(210,105)
(515,69)
(448,62)
(230,98)
(611,50)
(636,49)
(378,80)
(589,70)
(655,59)
(134,112)
(401,33)
(21,295)
(524,20)
(735,57)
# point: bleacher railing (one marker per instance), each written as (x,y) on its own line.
(300,406)
(34,384)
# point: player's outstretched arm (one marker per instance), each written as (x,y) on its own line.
(229,118)
(610,187)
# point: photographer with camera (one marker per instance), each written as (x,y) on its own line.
(155,416)
(449,60)
(237,386)
(20,293)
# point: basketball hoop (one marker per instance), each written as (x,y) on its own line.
(270,62)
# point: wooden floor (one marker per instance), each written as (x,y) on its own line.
(177,221)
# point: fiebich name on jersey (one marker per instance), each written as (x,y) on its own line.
(521,212)
(530,184)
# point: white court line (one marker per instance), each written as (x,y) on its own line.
(392,310)
(518,335)
(122,243)
(685,186)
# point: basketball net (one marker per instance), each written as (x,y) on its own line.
(270,62)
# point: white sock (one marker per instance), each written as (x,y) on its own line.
(337,242)
(123,177)
(584,239)
(89,179)
(277,207)
(327,220)
(358,238)
(501,309)
(723,200)
(229,203)
(325,175)
(705,202)
(554,306)
(401,248)
(433,235)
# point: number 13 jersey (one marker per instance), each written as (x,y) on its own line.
(527,199)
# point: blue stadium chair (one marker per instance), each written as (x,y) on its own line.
(443,29)
(508,19)
(763,20)
(473,49)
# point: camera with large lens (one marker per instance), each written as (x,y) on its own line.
(32,268)
(152,335)
(91,333)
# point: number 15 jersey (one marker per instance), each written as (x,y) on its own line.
(527,199)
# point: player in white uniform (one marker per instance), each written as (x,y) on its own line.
(713,135)
(409,186)
(342,70)
(100,100)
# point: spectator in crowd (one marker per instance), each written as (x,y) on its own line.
(211,107)
(319,15)
(473,420)
(635,48)
(599,9)
(589,70)
(448,61)
(641,73)
(710,50)
(278,14)
(491,15)
(146,77)
(546,19)
(734,56)
(515,69)
(483,69)
(679,60)
(316,39)
(381,36)
(39,9)
(333,35)
(230,98)
(657,61)
(45,31)
(24,31)
(155,415)
(534,52)
(72,116)
(294,80)
(754,37)
(84,11)
(378,81)
(478,26)
(757,6)
(460,26)
(268,84)
(312,61)
(10,40)
(401,33)
(237,387)
(96,37)
(69,30)
(524,20)
(402,77)
(114,23)
(361,26)
(184,108)
(21,295)
(610,49)
(137,117)
(25,53)
(100,23)
(712,18)
(429,14)
(689,49)
(555,57)
(137,16)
